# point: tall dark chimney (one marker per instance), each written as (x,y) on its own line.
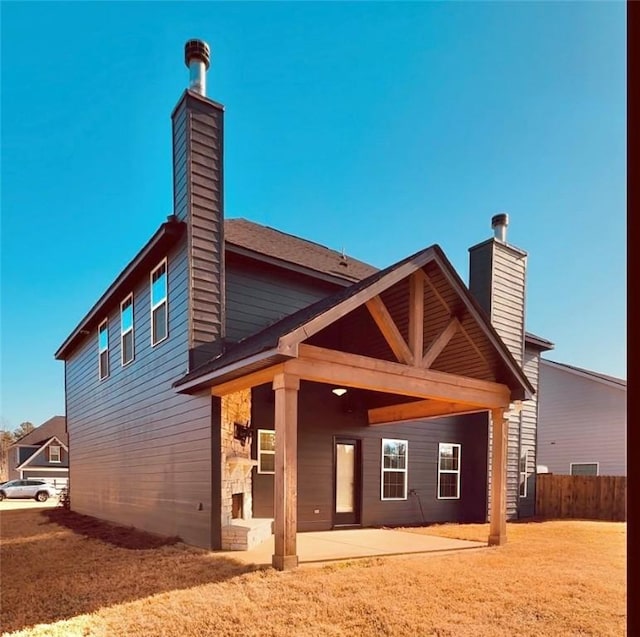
(197,123)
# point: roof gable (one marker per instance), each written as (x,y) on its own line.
(41,449)
(446,295)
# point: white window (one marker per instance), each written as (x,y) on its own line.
(394,469)
(126,329)
(266,451)
(54,453)
(524,462)
(448,471)
(159,327)
(103,349)
(584,469)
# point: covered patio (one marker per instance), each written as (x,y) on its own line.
(415,343)
(339,545)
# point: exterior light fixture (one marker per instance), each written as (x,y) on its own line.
(242,432)
(339,391)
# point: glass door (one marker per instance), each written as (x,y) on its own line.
(347,472)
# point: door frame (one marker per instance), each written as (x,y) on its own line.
(357,482)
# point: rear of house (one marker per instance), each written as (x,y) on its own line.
(233,374)
(582,421)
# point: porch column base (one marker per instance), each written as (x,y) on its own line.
(497,540)
(284,562)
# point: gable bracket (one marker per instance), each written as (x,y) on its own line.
(389,329)
(440,342)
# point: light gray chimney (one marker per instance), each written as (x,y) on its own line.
(197,57)
(497,277)
(198,127)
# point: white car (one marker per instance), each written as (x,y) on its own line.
(37,489)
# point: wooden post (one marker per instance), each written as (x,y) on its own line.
(285,507)
(498,521)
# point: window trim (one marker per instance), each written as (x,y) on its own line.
(123,333)
(571,464)
(59,448)
(104,323)
(164,301)
(524,475)
(383,469)
(456,471)
(268,452)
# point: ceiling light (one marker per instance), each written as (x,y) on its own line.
(339,391)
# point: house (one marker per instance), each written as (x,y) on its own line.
(582,421)
(235,379)
(42,453)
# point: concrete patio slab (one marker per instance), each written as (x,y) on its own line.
(329,546)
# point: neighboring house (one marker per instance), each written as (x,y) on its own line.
(233,374)
(42,453)
(582,421)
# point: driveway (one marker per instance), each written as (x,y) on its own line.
(12,505)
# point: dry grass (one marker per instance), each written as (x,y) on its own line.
(552,578)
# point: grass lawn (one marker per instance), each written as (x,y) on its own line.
(73,576)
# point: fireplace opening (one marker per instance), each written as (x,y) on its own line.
(237,502)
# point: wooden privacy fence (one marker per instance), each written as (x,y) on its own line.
(586,497)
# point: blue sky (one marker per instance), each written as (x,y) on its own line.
(377,128)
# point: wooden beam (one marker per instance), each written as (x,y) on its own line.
(434,289)
(389,330)
(245,382)
(419,410)
(440,342)
(352,370)
(285,481)
(416,316)
(498,516)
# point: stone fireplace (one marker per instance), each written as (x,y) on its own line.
(240,530)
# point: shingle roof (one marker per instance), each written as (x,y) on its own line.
(55,426)
(292,249)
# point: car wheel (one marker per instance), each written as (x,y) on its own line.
(42,496)
(2,496)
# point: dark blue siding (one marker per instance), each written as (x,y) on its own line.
(321,418)
(141,452)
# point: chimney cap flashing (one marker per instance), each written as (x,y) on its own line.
(197,50)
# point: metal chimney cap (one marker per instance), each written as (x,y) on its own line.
(197,50)
(501,219)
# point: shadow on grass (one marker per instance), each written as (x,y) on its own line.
(120,536)
(93,566)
